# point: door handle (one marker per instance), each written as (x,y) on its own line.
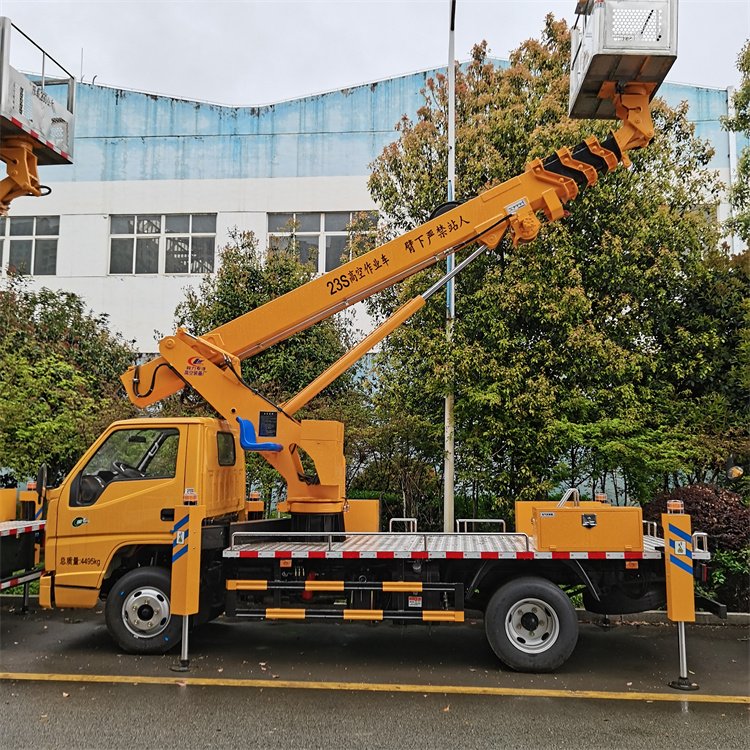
(167,514)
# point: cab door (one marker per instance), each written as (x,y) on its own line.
(124,495)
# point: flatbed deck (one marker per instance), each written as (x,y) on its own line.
(18,560)
(423,546)
(17,528)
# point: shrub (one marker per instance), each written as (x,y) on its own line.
(726,519)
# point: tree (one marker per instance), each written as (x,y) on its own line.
(245,280)
(590,356)
(60,386)
(739,195)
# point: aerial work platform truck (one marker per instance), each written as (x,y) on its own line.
(154,518)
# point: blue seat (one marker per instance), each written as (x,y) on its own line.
(249,440)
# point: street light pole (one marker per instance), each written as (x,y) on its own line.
(450,307)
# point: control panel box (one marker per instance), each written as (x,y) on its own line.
(605,528)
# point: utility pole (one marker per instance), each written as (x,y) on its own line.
(450,306)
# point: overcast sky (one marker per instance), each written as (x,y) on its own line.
(248,52)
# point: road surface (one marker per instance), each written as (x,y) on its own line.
(284,685)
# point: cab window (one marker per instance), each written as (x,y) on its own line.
(127,455)
(225,447)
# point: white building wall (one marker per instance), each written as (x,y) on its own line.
(137,153)
(140,304)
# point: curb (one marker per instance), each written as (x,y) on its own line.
(656,617)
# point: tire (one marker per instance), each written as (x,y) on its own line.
(138,612)
(531,625)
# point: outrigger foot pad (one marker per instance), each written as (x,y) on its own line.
(683,683)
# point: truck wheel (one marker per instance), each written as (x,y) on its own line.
(531,625)
(138,614)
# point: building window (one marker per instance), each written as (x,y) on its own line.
(28,244)
(162,243)
(318,238)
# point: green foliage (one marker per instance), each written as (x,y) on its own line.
(722,515)
(730,573)
(246,280)
(739,196)
(60,384)
(612,351)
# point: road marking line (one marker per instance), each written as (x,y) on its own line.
(375,687)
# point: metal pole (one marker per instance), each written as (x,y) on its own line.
(184,664)
(450,312)
(682,682)
(683,649)
(732,141)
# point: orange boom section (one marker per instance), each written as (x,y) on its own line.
(210,364)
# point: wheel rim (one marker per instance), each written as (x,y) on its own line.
(532,626)
(145,612)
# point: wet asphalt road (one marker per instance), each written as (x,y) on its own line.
(84,705)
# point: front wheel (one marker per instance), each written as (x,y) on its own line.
(138,612)
(531,625)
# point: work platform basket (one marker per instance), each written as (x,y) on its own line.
(622,41)
(36,105)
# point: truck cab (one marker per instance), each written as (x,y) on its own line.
(115,510)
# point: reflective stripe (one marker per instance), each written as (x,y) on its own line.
(680,533)
(440,615)
(18,580)
(402,586)
(687,567)
(253,585)
(16,528)
(180,523)
(285,614)
(305,554)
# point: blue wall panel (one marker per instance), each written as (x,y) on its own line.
(129,135)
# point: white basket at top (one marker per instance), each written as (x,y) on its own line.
(619,40)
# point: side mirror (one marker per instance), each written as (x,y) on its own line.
(41,482)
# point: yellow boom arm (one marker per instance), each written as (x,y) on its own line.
(211,363)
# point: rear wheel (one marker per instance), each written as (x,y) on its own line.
(138,612)
(531,625)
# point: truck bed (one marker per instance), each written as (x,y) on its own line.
(422,546)
(17,557)
(16,528)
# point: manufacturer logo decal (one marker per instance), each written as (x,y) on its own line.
(79,521)
(194,367)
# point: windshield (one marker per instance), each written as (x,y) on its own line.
(151,452)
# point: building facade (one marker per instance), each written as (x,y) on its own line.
(157,184)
